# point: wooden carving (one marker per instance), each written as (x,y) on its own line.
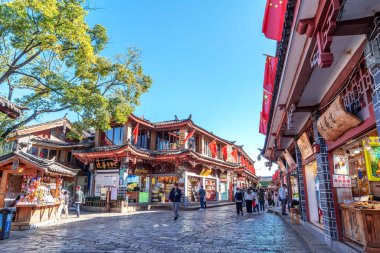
(335,121)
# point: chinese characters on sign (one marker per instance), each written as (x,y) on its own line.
(341,181)
(106,164)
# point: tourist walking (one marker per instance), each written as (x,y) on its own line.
(275,198)
(248,200)
(202,194)
(61,199)
(175,197)
(284,198)
(262,200)
(255,202)
(66,200)
(239,201)
(78,199)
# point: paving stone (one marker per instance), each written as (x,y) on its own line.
(214,230)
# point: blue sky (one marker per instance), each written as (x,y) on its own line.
(205,58)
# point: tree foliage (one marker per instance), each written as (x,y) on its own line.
(50,61)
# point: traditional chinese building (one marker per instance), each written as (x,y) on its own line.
(143,159)
(320,114)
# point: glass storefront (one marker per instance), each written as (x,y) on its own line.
(210,187)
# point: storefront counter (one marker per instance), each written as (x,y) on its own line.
(28,216)
(362,225)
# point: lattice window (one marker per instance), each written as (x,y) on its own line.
(358,93)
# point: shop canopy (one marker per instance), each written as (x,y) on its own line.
(44,165)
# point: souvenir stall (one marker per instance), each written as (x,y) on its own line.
(36,183)
(356,180)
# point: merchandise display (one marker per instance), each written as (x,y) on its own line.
(210,188)
(39,190)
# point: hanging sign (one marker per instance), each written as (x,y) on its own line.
(304,146)
(182,137)
(281,164)
(15,164)
(106,164)
(335,121)
(289,159)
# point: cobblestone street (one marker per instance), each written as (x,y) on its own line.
(214,230)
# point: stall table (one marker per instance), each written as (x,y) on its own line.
(31,215)
(362,225)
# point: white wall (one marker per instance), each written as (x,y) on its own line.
(311,193)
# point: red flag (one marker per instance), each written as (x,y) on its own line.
(135,133)
(234,153)
(267,100)
(253,169)
(274,17)
(213,148)
(224,152)
(189,135)
(270,73)
(263,125)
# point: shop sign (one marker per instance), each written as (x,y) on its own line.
(335,121)
(304,146)
(341,181)
(15,164)
(106,164)
(289,159)
(206,172)
(139,171)
(182,137)
(223,176)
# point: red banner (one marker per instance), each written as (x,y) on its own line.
(135,133)
(270,73)
(234,153)
(189,135)
(213,148)
(267,100)
(224,152)
(263,125)
(274,17)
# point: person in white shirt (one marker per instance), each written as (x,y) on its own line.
(248,200)
(284,198)
(255,202)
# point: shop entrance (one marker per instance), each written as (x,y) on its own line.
(161,187)
(313,194)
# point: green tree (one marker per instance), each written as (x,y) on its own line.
(50,61)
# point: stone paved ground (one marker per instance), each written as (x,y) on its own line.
(214,230)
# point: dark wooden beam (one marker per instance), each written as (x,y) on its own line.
(305,109)
(354,27)
(288,136)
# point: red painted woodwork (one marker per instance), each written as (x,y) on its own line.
(322,27)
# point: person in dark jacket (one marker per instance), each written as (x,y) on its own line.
(239,201)
(202,195)
(175,197)
(262,200)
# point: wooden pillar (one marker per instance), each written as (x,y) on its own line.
(3,187)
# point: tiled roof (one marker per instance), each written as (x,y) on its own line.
(9,108)
(155,153)
(45,164)
(40,140)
